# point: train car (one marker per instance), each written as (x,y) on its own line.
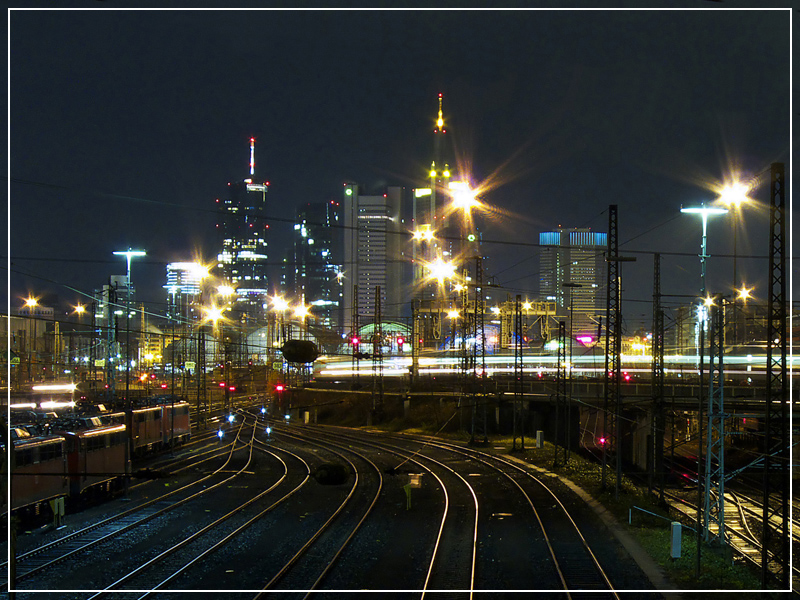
(112,418)
(175,424)
(96,458)
(147,429)
(39,470)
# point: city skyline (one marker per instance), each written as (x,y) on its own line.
(552,143)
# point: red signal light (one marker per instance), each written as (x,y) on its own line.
(354,341)
(221,384)
(279,388)
(163,386)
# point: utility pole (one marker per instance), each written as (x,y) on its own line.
(715,454)
(561,390)
(356,337)
(776,424)
(657,384)
(612,366)
(518,375)
(377,358)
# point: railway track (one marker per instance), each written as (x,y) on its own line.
(34,562)
(573,561)
(178,559)
(477,523)
(316,554)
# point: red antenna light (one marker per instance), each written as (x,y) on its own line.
(252,155)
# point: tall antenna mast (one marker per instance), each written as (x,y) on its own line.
(252,155)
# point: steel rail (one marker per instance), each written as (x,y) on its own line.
(481,456)
(310,542)
(51,547)
(408,455)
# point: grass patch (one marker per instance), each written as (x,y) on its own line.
(716,568)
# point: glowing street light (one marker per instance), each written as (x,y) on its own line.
(441,270)
(704,212)
(423,234)
(301,311)
(744,293)
(214,313)
(198,270)
(280,304)
(129,256)
(31,302)
(464,197)
(733,196)
(453,314)
(225,290)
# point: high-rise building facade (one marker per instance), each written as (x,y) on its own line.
(313,269)
(572,266)
(183,289)
(374,234)
(242,230)
(427,213)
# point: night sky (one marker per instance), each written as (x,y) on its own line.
(125,126)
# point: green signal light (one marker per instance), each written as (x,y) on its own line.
(471,237)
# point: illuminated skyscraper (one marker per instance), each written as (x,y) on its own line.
(372,252)
(574,256)
(183,289)
(426,211)
(242,229)
(314,265)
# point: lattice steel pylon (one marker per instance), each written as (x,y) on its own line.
(714,497)
(355,333)
(775,554)
(377,358)
(611,450)
(518,375)
(657,383)
(480,337)
(415,331)
(561,393)
(111,345)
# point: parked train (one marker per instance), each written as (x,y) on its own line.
(78,456)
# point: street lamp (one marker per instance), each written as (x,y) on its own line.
(733,196)
(423,234)
(79,310)
(31,303)
(129,255)
(464,197)
(704,212)
(280,305)
(441,270)
(571,286)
